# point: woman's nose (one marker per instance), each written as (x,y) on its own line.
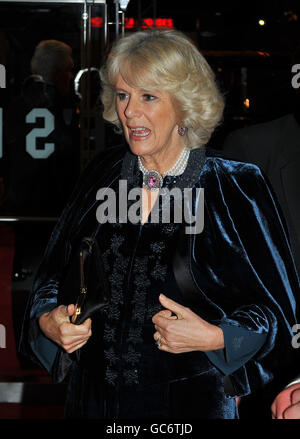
(133,108)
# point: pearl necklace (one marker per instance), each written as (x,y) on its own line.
(153,180)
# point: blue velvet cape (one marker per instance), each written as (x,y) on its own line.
(241,263)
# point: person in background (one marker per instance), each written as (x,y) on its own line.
(275,147)
(41,149)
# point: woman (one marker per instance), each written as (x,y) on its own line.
(168,335)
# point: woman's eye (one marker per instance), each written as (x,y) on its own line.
(149,97)
(121,96)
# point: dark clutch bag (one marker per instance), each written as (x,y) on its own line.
(84,284)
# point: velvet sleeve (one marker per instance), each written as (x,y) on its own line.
(246,272)
(240,346)
(43,348)
(49,274)
(33,343)
(43,297)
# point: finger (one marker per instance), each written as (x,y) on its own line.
(68,329)
(279,416)
(84,327)
(160,322)
(170,304)
(66,310)
(273,410)
(70,309)
(292,412)
(72,340)
(173,347)
(295,397)
(169,337)
(87,323)
(163,317)
(165,313)
(175,317)
(163,323)
(158,336)
(74,347)
(282,402)
(163,346)
(69,345)
(159,340)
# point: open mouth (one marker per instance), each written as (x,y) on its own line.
(139,132)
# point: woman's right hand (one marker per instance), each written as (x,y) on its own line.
(56,325)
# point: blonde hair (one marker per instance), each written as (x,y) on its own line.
(166,60)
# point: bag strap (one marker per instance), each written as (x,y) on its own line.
(95,232)
(181,266)
(188,287)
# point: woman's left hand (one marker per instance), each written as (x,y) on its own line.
(185,331)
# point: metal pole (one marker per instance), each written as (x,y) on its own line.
(86,96)
(105,29)
(84,35)
(123,23)
(117,18)
(28,219)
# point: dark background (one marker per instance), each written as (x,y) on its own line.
(227,33)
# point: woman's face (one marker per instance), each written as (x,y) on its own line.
(149,120)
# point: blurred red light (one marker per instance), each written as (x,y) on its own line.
(132,23)
(97,22)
